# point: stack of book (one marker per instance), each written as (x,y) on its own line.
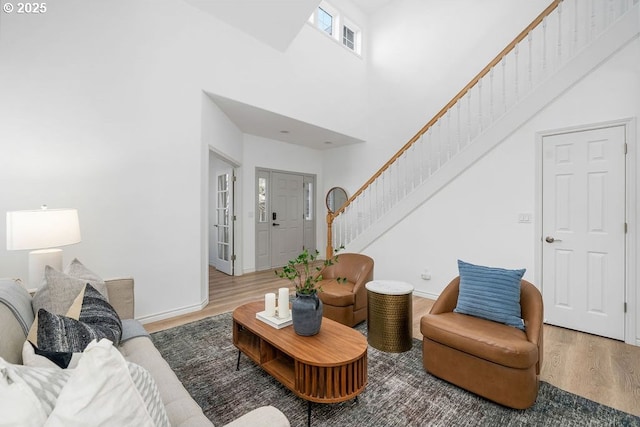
(274,321)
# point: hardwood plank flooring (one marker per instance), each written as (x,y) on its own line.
(600,369)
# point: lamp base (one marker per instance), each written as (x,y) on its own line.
(38,260)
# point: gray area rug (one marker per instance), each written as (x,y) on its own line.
(399,391)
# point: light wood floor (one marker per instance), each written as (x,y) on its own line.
(600,369)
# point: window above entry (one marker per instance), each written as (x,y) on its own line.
(334,24)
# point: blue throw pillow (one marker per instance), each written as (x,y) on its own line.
(490,293)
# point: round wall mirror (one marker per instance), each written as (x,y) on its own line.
(336,197)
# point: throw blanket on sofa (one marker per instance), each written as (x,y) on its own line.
(16,297)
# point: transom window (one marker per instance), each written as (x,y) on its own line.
(348,37)
(325,21)
(330,21)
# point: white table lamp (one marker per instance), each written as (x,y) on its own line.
(43,229)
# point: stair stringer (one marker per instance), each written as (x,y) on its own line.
(621,33)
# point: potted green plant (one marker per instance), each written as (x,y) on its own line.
(304,272)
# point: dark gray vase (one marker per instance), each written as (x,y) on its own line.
(306,311)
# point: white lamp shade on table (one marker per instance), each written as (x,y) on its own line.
(42,229)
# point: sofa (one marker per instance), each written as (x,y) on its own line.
(181,409)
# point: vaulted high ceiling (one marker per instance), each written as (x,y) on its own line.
(275,23)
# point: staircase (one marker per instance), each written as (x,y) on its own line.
(566,42)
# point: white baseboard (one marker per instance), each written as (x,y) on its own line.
(426,295)
(172,313)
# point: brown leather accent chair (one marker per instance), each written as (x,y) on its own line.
(346,302)
(496,361)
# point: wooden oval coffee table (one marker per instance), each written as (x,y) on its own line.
(329,367)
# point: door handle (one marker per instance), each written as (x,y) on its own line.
(550,239)
(275,225)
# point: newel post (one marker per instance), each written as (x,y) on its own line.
(329,235)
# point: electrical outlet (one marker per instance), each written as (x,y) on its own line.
(425,275)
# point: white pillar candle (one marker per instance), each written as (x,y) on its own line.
(283,303)
(270,304)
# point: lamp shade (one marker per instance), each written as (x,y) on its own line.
(42,228)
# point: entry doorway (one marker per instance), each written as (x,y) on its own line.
(285,216)
(222,178)
(583,229)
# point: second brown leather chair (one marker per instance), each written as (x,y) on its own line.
(493,360)
(346,302)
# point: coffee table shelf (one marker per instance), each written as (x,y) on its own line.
(282,369)
(329,367)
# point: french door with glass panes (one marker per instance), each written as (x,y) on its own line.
(223,225)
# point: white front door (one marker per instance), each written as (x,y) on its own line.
(223,221)
(583,225)
(286,217)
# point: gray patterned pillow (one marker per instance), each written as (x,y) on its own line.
(98,319)
(59,289)
(148,389)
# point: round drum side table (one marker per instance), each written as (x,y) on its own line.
(389,315)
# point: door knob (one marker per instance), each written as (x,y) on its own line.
(275,224)
(550,239)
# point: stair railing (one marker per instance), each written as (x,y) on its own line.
(552,38)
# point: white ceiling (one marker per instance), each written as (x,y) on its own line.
(274,22)
(370,6)
(267,124)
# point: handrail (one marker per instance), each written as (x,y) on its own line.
(511,46)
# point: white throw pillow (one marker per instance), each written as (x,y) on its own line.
(100,392)
(19,405)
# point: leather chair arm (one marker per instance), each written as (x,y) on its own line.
(448,298)
(364,276)
(532,311)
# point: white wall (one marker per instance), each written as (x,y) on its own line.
(476,218)
(101,109)
(88,121)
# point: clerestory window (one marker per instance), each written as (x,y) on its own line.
(333,23)
(325,21)
(348,37)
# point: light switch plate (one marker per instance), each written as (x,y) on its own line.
(525,218)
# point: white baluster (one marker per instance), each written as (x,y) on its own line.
(439,143)
(395,179)
(530,65)
(479,106)
(504,83)
(415,165)
(491,72)
(559,34)
(448,143)
(423,160)
(388,186)
(544,46)
(515,72)
(459,132)
(468,95)
(575,27)
(592,31)
(401,168)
